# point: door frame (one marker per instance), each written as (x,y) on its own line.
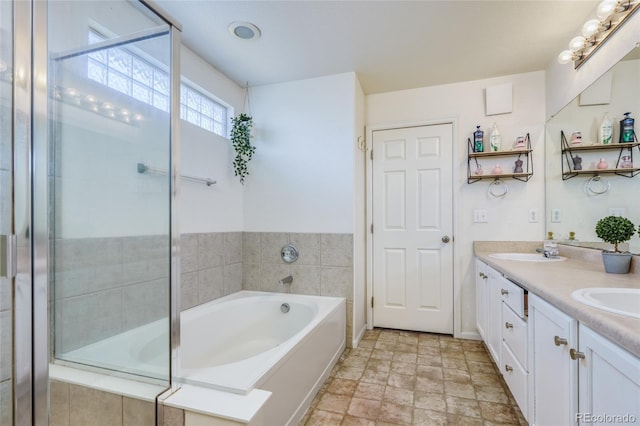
(370,129)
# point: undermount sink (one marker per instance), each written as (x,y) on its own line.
(527,257)
(623,301)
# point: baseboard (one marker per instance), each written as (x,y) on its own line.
(357,339)
(470,335)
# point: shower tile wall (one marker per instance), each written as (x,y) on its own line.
(78,405)
(211,266)
(104,286)
(324,266)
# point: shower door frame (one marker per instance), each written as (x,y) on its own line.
(31,405)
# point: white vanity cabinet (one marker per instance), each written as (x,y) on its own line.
(576,375)
(481,298)
(609,381)
(553,390)
(501,321)
(514,365)
(493,330)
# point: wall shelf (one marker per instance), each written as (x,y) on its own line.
(527,165)
(569,153)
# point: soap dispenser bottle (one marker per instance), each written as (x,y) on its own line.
(605,133)
(626,129)
(495,139)
(478,140)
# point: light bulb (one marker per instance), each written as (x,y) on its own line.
(565,56)
(577,43)
(606,8)
(590,28)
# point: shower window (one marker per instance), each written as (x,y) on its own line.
(133,75)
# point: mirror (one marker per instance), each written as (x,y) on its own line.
(575,204)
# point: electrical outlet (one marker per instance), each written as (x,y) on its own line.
(533,215)
(617,211)
(480,216)
(556,217)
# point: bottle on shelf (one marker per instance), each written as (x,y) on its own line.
(495,138)
(605,132)
(602,164)
(478,140)
(626,129)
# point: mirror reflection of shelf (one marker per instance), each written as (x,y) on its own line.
(568,168)
(527,165)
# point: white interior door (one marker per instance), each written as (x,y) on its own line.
(412,190)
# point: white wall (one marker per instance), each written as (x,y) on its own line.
(302,174)
(216,208)
(359,219)
(508,217)
(565,83)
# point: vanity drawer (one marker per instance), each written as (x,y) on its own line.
(514,334)
(513,296)
(516,378)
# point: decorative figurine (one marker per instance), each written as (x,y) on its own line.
(518,168)
(577,163)
(576,138)
(625,162)
(497,170)
(602,164)
(478,171)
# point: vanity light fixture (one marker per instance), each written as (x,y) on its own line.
(611,14)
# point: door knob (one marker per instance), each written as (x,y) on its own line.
(446,239)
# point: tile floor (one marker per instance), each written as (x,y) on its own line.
(408,378)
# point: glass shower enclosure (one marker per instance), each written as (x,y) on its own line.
(110,223)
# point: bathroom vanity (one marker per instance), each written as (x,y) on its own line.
(565,362)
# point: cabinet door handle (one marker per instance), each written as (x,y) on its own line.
(508,325)
(503,291)
(482,275)
(559,340)
(575,354)
(508,367)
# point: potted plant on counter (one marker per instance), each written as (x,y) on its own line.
(615,230)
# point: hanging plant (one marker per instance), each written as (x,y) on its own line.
(241,141)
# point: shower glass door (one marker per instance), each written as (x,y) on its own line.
(109,218)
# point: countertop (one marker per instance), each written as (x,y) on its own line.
(555,281)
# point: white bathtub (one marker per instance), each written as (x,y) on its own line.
(236,344)
(244,341)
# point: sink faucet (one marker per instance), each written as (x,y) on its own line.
(286,280)
(550,249)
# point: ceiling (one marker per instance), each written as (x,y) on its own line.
(392,45)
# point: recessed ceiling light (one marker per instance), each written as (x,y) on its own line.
(244,30)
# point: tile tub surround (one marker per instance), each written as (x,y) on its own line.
(210,266)
(555,281)
(104,286)
(72,404)
(410,378)
(324,266)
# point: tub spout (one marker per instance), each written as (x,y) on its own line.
(286,280)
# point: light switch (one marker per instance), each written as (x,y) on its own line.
(556,217)
(480,216)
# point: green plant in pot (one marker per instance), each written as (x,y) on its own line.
(241,141)
(615,230)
